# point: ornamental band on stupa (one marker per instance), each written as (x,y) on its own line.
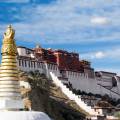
(10,97)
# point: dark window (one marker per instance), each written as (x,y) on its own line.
(29,63)
(25,64)
(22,63)
(114,81)
(19,62)
(34,64)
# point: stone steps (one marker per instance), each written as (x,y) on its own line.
(72,96)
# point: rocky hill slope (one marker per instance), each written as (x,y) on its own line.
(45,96)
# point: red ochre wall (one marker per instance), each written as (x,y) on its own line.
(68,61)
(65,60)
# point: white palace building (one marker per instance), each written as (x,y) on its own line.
(69,69)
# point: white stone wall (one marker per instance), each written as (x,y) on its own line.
(21,51)
(105,82)
(51,68)
(79,81)
(41,66)
(38,66)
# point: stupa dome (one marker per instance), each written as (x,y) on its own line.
(23,115)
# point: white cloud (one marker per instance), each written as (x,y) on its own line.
(113,53)
(107,60)
(69,20)
(99,20)
(93,55)
(99,55)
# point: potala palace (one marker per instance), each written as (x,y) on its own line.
(69,69)
(63,69)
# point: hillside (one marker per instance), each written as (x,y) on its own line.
(47,97)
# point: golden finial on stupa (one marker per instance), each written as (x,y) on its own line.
(10,32)
(9,46)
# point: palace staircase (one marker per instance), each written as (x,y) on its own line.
(88,109)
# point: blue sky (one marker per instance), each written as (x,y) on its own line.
(89,27)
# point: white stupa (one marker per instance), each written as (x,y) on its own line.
(10,97)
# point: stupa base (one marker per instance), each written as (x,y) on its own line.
(23,115)
(11,104)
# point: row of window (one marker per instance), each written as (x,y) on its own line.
(30,64)
(76,74)
(34,64)
(52,67)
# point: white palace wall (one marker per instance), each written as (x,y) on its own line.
(79,81)
(30,65)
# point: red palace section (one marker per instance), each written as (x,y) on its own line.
(64,59)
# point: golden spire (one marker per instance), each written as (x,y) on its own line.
(9,46)
(10,32)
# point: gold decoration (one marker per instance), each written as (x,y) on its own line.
(10,32)
(9,47)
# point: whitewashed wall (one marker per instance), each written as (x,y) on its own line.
(41,68)
(51,68)
(21,51)
(79,81)
(82,82)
